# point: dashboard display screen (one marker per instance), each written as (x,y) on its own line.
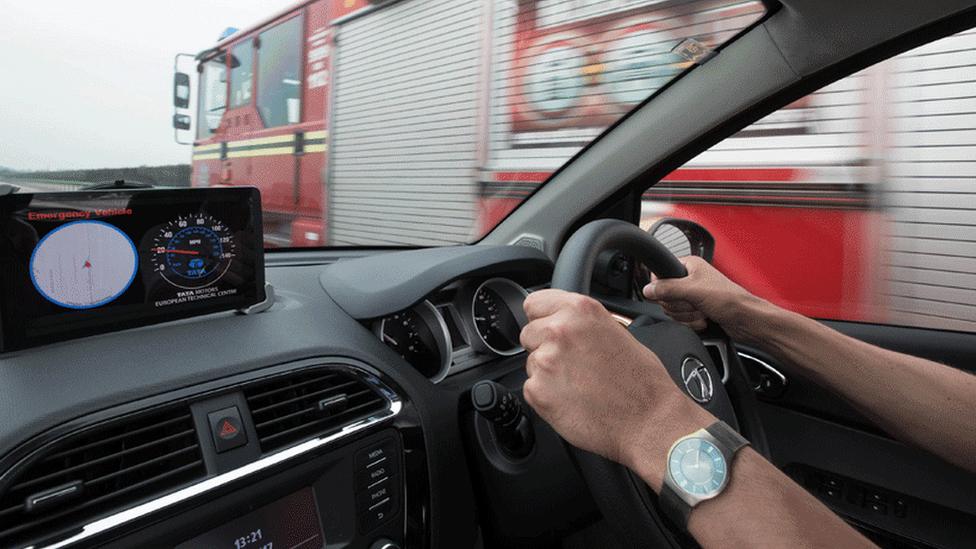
(85,262)
(289,523)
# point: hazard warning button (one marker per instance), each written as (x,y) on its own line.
(227,429)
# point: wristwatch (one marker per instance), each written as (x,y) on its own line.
(698,470)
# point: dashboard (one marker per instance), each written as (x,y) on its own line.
(216,430)
(466,324)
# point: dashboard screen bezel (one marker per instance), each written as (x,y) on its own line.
(298,509)
(18,327)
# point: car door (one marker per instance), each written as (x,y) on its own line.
(856,206)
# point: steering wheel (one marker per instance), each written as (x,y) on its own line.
(627,503)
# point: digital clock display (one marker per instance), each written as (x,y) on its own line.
(291,522)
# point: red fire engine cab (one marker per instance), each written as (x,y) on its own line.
(260,118)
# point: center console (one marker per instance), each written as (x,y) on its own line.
(312,454)
(354,496)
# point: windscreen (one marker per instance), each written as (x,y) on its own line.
(401,123)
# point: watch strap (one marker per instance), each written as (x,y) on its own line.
(727,437)
(673,507)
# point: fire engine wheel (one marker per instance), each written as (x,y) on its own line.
(627,503)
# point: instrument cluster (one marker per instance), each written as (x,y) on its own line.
(463,325)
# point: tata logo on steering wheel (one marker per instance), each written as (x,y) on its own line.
(697,380)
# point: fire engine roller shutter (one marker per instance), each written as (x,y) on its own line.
(405,125)
(930,190)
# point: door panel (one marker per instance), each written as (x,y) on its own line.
(901,494)
(873,480)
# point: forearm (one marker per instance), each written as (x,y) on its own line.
(918,401)
(760,507)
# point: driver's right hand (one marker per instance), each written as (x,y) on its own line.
(707,294)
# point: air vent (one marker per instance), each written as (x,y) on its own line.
(302,405)
(81,477)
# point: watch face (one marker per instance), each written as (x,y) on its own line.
(698,467)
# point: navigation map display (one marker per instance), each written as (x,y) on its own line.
(85,262)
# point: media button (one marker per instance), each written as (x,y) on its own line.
(383,452)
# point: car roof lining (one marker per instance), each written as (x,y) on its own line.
(803,45)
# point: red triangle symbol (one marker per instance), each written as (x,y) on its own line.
(227,429)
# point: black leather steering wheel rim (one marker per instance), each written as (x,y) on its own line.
(627,503)
(610,234)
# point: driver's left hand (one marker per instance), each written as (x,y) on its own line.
(599,388)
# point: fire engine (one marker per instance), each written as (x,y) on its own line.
(409,122)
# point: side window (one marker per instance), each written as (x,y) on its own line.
(213,97)
(241,74)
(279,74)
(856,202)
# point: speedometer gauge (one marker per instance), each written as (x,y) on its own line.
(420,337)
(498,315)
(193,251)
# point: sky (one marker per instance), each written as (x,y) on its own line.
(88,84)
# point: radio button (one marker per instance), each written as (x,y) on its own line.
(367,477)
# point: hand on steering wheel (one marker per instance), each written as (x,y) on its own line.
(606,390)
(599,387)
(702,295)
